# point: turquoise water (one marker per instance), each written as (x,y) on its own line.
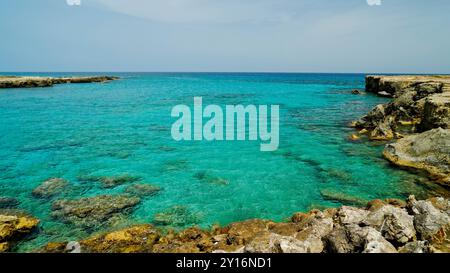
(123,127)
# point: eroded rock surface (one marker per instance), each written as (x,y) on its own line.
(50,188)
(94,211)
(14,228)
(388,226)
(30,82)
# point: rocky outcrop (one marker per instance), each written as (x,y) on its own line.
(94,211)
(30,82)
(13,228)
(418,115)
(388,226)
(50,188)
(429,151)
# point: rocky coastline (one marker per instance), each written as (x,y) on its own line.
(416,122)
(33,82)
(415,126)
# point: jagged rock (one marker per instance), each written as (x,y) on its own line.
(142,190)
(13,228)
(342,198)
(8,202)
(356,92)
(350,215)
(415,247)
(436,112)
(428,219)
(383,130)
(93,211)
(395,224)
(429,151)
(50,188)
(384,94)
(376,243)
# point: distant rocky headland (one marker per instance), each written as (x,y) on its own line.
(415,128)
(31,82)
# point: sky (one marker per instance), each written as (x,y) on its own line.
(387,36)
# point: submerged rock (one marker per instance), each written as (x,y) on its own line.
(110,181)
(50,188)
(8,202)
(142,190)
(176,216)
(93,211)
(429,151)
(343,198)
(14,228)
(204,176)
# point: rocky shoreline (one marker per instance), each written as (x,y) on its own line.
(416,128)
(417,120)
(33,82)
(389,226)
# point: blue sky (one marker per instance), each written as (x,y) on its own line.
(398,36)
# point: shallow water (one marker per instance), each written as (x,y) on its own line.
(123,127)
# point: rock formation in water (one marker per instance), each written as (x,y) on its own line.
(420,108)
(389,226)
(14,227)
(30,82)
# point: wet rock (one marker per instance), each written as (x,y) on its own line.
(356,92)
(176,216)
(14,228)
(191,240)
(429,151)
(110,181)
(8,202)
(343,198)
(142,190)
(205,176)
(50,188)
(93,211)
(136,239)
(428,219)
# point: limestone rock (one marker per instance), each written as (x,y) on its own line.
(429,151)
(436,112)
(93,211)
(15,227)
(395,224)
(50,187)
(428,219)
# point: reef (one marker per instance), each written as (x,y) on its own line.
(418,116)
(32,82)
(389,226)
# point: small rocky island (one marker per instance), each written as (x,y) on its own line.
(32,82)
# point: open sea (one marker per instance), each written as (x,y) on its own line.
(123,127)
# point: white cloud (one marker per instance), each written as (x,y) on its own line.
(206,11)
(374,2)
(73,2)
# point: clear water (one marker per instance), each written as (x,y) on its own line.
(123,127)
